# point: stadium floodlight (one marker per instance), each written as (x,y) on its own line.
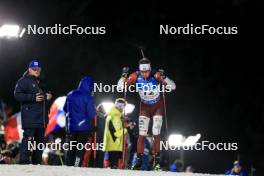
(11,31)
(180,140)
(191,140)
(175,140)
(108,105)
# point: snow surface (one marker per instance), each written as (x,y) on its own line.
(41,170)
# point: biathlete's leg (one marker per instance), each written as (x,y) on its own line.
(143,132)
(156,129)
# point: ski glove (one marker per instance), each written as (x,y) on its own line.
(125,71)
(162,73)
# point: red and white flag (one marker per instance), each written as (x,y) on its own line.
(12,128)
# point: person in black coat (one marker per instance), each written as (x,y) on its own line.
(33,96)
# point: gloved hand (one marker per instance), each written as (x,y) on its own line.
(162,74)
(125,71)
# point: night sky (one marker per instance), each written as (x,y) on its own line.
(219,77)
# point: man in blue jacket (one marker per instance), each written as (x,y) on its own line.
(80,112)
(33,95)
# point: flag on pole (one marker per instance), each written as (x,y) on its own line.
(12,129)
(57,119)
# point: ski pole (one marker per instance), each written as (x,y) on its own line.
(61,160)
(166,121)
(165,113)
(44,113)
(142,52)
(124,143)
(95,139)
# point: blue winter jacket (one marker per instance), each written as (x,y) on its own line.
(80,107)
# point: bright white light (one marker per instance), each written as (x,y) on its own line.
(108,105)
(175,140)
(129,108)
(191,140)
(22,32)
(9,31)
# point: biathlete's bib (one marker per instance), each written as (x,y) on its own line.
(149,90)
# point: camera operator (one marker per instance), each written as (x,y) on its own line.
(33,95)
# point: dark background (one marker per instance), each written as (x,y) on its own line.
(219,77)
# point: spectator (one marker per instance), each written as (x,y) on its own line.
(80,111)
(176,166)
(113,134)
(91,157)
(237,170)
(132,138)
(32,94)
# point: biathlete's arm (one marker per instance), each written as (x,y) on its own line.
(127,81)
(166,81)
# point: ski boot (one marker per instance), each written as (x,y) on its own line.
(156,163)
(137,165)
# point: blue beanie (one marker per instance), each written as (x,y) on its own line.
(173,167)
(34,64)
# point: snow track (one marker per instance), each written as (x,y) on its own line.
(40,170)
